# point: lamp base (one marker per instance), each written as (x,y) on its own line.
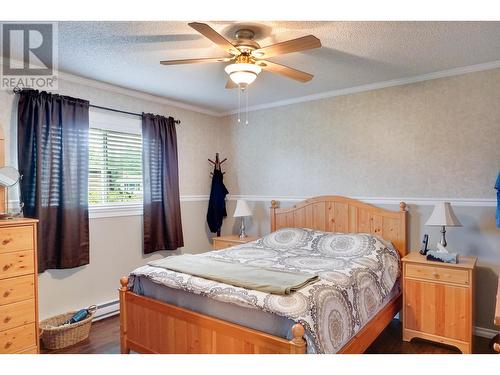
(243,235)
(443,236)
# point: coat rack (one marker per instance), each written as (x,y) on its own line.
(217,163)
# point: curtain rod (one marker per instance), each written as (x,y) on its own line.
(125,112)
(17,90)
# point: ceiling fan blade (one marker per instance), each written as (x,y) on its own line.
(194,61)
(230,84)
(294,45)
(285,71)
(215,37)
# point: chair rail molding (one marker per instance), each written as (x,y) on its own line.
(472,202)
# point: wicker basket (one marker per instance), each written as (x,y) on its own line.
(54,335)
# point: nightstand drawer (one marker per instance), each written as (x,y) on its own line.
(16,264)
(218,245)
(16,238)
(447,275)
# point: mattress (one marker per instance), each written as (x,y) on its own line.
(358,275)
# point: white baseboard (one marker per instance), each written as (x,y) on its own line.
(111,308)
(107,309)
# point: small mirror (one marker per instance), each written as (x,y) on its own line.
(9,176)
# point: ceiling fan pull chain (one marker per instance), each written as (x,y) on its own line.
(246,106)
(239,104)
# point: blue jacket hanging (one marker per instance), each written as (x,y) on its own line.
(217,203)
(497,186)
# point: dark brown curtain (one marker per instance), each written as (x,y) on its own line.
(53,160)
(162,208)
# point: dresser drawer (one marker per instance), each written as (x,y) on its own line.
(448,275)
(16,264)
(17,289)
(17,314)
(18,339)
(16,238)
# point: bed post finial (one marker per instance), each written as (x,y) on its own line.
(123,291)
(274,206)
(402,206)
(298,338)
(124,284)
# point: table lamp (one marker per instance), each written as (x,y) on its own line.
(242,210)
(443,216)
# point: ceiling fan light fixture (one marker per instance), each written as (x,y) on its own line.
(243,73)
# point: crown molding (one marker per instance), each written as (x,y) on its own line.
(373,86)
(69,77)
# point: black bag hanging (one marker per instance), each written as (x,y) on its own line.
(217,203)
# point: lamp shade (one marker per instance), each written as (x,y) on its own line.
(242,209)
(443,215)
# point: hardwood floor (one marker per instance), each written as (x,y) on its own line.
(104,339)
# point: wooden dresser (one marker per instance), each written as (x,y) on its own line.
(18,287)
(438,300)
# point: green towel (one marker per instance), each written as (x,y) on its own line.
(242,275)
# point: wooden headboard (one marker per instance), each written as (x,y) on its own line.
(332,213)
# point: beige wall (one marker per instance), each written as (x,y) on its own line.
(436,138)
(433,139)
(116,242)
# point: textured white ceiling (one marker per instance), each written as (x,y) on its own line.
(353,53)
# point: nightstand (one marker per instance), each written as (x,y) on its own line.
(438,300)
(233,240)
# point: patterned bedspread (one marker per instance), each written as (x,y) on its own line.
(357,273)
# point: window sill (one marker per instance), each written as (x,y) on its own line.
(110,210)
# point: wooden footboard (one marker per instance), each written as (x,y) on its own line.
(150,326)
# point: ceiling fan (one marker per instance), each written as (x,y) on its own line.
(248,58)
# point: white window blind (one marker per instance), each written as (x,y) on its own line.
(115,166)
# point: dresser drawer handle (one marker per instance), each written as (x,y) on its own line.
(7,293)
(7,319)
(8,345)
(435,274)
(6,241)
(7,266)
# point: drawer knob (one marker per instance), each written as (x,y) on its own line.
(7,319)
(7,293)
(8,345)
(436,275)
(6,241)
(7,266)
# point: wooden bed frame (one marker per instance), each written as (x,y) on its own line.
(151,326)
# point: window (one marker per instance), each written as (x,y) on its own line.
(115,160)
